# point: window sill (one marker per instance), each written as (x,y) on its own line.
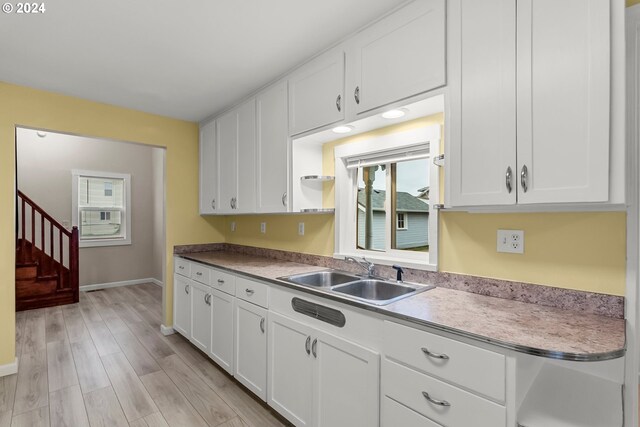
(386,260)
(105,242)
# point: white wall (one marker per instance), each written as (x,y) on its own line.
(44,175)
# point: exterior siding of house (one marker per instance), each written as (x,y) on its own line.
(416,234)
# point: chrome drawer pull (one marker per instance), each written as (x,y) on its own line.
(435,401)
(307,345)
(262,325)
(434,355)
(181,267)
(249,291)
(221,281)
(186,289)
(314,345)
(198,273)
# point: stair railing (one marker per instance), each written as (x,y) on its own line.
(34,222)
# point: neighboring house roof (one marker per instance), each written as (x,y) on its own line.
(406,202)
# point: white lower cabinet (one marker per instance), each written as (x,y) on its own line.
(393,413)
(317,379)
(251,347)
(200,316)
(221,350)
(181,305)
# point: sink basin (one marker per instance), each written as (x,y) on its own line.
(379,292)
(322,279)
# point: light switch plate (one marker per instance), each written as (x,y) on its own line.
(301,229)
(263,227)
(511,241)
(233,226)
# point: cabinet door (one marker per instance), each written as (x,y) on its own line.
(208,169)
(182,305)
(273,152)
(200,316)
(251,347)
(316,93)
(227,141)
(291,369)
(563,100)
(222,329)
(480,162)
(246,172)
(401,56)
(346,383)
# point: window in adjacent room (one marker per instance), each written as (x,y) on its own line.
(386,189)
(101,208)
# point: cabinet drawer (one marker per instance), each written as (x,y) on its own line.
(248,290)
(182,267)
(395,414)
(477,369)
(411,388)
(224,282)
(200,273)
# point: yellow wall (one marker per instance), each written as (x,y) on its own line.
(632,2)
(39,109)
(583,251)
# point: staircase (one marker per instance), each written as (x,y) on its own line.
(46,259)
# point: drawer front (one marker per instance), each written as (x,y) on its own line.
(477,369)
(200,273)
(224,282)
(411,388)
(182,267)
(248,290)
(395,414)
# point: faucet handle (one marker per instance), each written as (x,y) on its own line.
(399,270)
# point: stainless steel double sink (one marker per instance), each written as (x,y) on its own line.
(371,290)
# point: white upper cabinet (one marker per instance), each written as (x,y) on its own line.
(208,169)
(542,68)
(236,140)
(316,93)
(563,100)
(273,152)
(401,56)
(481,162)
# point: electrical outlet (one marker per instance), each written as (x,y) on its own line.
(511,241)
(233,226)
(263,227)
(301,229)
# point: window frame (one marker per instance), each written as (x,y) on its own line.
(405,222)
(346,195)
(126,210)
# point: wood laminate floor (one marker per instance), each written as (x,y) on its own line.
(103,362)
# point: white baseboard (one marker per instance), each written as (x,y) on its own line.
(9,368)
(167,330)
(157,282)
(85,288)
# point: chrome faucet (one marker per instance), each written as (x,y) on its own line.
(367,265)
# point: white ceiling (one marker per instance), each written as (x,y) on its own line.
(183,59)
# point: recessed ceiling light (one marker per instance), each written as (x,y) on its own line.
(41,134)
(342,129)
(394,114)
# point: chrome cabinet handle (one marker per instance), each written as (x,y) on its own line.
(198,273)
(435,401)
(508,179)
(186,289)
(339,102)
(207,299)
(314,347)
(262,325)
(249,291)
(434,355)
(213,204)
(356,94)
(221,281)
(231,203)
(307,345)
(524,178)
(181,267)
(284,199)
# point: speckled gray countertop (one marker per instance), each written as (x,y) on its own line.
(529,328)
